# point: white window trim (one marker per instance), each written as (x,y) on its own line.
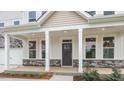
(36,48)
(115,46)
(32,18)
(84,47)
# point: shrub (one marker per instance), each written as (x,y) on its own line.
(91,76)
(115,76)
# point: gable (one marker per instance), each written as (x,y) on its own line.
(64,18)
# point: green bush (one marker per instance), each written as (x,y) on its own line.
(115,76)
(91,76)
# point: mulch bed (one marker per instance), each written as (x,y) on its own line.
(26,76)
(77,78)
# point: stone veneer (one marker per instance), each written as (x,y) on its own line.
(40,62)
(57,63)
(101,63)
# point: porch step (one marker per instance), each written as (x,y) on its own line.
(23,72)
(61,78)
(67,74)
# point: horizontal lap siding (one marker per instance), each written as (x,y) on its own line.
(64,18)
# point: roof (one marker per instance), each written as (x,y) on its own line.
(91,20)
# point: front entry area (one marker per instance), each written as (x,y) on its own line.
(67,53)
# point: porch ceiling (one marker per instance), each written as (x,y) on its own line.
(52,34)
(64,33)
(31,35)
(73,32)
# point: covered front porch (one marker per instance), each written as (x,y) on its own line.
(46,49)
(49,49)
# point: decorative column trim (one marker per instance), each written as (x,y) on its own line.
(80,49)
(7,46)
(47,61)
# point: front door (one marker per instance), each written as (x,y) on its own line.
(67,54)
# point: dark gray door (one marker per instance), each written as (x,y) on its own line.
(67,54)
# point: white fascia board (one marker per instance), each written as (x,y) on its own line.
(83,14)
(109,24)
(107,18)
(45,17)
(21,27)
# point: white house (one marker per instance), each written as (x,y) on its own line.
(14,18)
(68,39)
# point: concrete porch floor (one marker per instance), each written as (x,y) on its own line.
(61,69)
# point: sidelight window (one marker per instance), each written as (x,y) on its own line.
(43,48)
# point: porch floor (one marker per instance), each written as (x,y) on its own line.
(61,69)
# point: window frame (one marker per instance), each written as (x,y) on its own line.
(31,19)
(32,49)
(108,13)
(2,23)
(84,46)
(16,21)
(115,47)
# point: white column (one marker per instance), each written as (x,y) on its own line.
(121,46)
(7,43)
(47,64)
(80,49)
(24,48)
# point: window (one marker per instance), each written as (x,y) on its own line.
(109,12)
(92,13)
(1,24)
(43,48)
(16,22)
(67,41)
(32,16)
(90,47)
(32,49)
(108,47)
